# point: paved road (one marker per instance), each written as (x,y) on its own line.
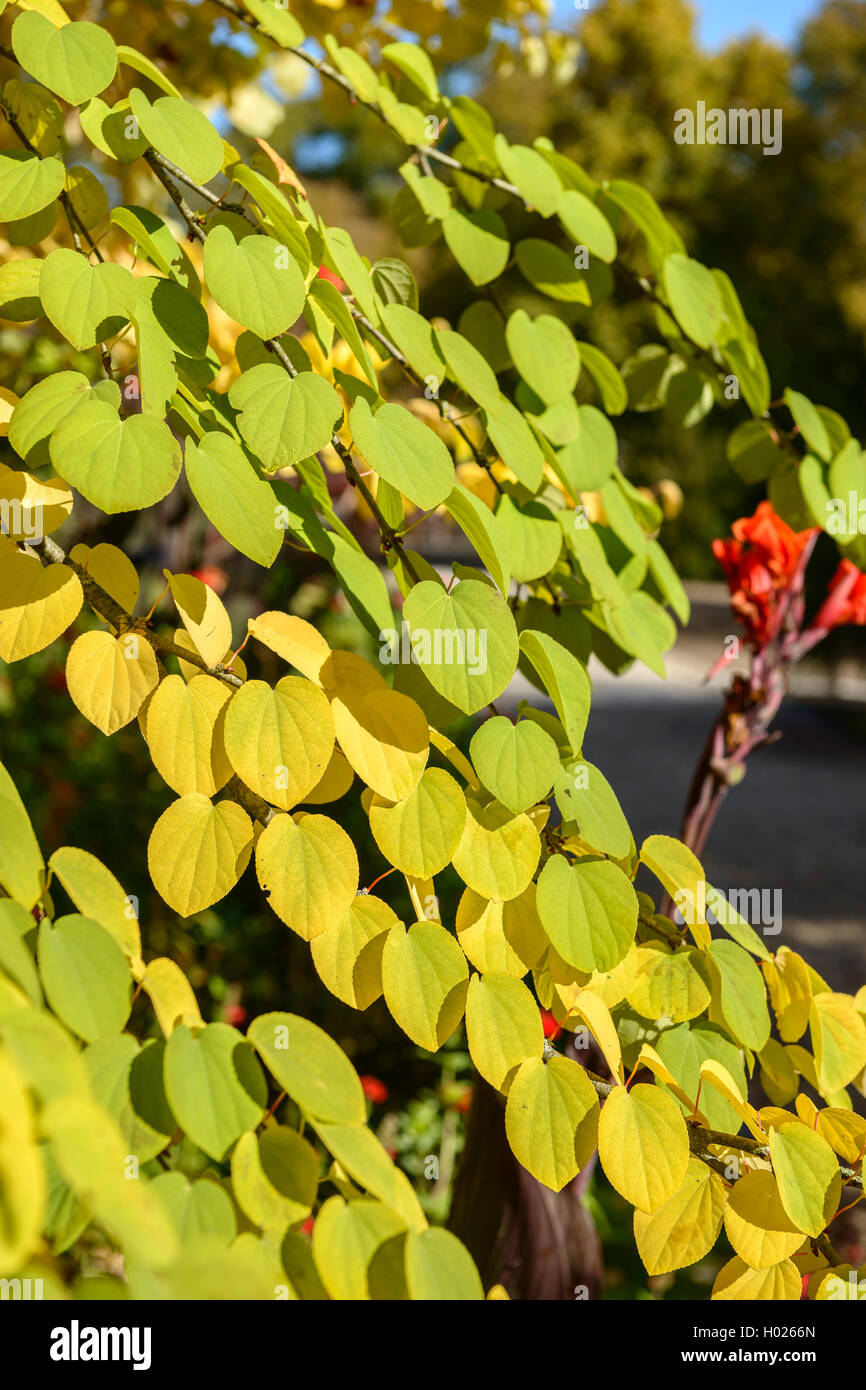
(798,821)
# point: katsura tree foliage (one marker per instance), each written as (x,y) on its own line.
(128,1120)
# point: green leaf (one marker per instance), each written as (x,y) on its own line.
(284,419)
(810,424)
(468,368)
(19,290)
(587,225)
(394,283)
(481,527)
(425,978)
(531,174)
(404,451)
(43,407)
(590,459)
(276,21)
(15,958)
(328,298)
(274,1177)
(310,1067)
(544,352)
(465,641)
(416,339)
(118,465)
(607,377)
(647,216)
(478,241)
(684,1049)
(416,65)
(126,1079)
(564,679)
(76,61)
(22,868)
(743,999)
(254,280)
(588,910)
(27,183)
(351,1242)
(549,270)
(694,298)
(181,133)
(85,976)
(240,504)
(516,762)
(439,1269)
(98,895)
(808,1175)
(583,794)
(517,446)
(530,535)
(113,129)
(86,303)
(341,250)
(503,1027)
(214,1085)
(360,1153)
(274,206)
(196,1208)
(154,240)
(551,1119)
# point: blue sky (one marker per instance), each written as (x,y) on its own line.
(720,20)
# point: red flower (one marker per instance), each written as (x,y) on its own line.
(550,1026)
(846,598)
(374,1089)
(235,1014)
(759,564)
(308,1225)
(213,576)
(323,273)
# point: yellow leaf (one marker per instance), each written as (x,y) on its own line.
(643,1145)
(346,1239)
(113,571)
(363,1157)
(807,1172)
(505,937)
(425,979)
(280,740)
(197,852)
(844,1131)
(109,678)
(203,615)
(838,1034)
(348,955)
(384,735)
(308,869)
(757,1224)
(612,986)
(551,1119)
(681,874)
(686,1226)
(171,995)
(503,1027)
(34,508)
(498,851)
(778,1077)
(37,603)
(181,638)
(8,402)
(274,1177)
(648,1057)
(22,1173)
(778,1284)
(183,726)
(790,987)
(334,782)
(714,1074)
(597,1016)
(22,868)
(51,9)
(98,895)
(420,833)
(668,983)
(293,639)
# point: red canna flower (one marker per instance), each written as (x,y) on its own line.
(846,598)
(374,1089)
(759,564)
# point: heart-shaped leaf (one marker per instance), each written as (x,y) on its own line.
(118,465)
(255,281)
(465,641)
(27,183)
(516,762)
(240,504)
(284,419)
(545,353)
(403,451)
(180,132)
(37,604)
(76,61)
(86,303)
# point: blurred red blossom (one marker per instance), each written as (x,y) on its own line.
(760,564)
(374,1089)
